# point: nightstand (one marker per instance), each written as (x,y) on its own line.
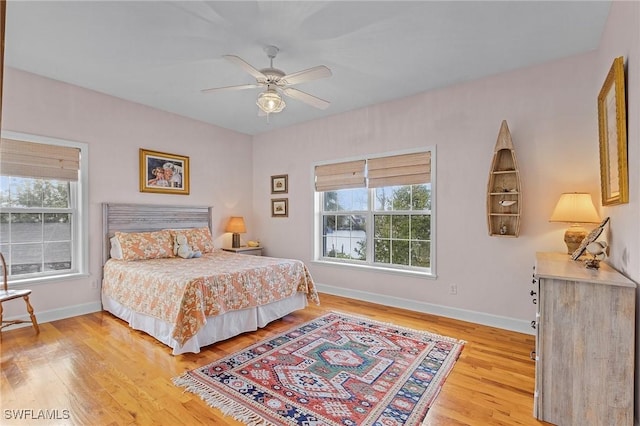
(252,251)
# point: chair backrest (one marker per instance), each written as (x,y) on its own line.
(4,272)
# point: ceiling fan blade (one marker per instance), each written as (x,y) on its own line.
(314,73)
(239,87)
(306,98)
(246,66)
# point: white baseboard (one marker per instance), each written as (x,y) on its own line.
(58,314)
(497,321)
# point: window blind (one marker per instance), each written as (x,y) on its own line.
(332,177)
(36,160)
(406,169)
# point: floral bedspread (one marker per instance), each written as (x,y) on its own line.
(183,292)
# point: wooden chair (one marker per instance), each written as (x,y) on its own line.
(6,295)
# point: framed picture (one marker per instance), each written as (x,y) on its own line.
(612,123)
(279,184)
(280,207)
(163,173)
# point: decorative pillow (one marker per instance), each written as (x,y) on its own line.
(145,245)
(199,239)
(116,250)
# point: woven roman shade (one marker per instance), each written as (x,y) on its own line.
(37,160)
(332,177)
(407,169)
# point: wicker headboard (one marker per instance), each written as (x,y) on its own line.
(149,217)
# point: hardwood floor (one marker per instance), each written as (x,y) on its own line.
(95,370)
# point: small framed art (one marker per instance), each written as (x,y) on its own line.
(279,184)
(163,173)
(612,123)
(280,207)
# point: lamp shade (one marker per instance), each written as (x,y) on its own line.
(236,225)
(270,101)
(575,207)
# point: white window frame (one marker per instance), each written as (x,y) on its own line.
(79,195)
(369,265)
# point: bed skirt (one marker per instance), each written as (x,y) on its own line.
(217,328)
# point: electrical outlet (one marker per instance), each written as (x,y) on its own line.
(94,284)
(453,289)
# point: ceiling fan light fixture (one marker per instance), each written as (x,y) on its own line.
(270,101)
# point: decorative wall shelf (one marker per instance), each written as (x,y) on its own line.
(504,195)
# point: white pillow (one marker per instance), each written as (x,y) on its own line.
(116,249)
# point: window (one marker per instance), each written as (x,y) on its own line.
(402,225)
(377,212)
(43,205)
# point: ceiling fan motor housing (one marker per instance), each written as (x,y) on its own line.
(273,75)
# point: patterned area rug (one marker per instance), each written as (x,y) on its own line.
(335,370)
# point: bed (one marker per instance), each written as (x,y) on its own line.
(190,303)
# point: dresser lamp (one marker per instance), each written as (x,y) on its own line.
(575,208)
(236,226)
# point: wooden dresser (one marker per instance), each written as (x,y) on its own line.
(585,339)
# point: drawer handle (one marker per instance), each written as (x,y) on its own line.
(533,324)
(533,281)
(535,301)
(532,293)
(532,355)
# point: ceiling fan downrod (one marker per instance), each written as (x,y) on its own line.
(271,52)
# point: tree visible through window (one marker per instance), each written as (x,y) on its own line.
(344,222)
(402,225)
(35,225)
(42,196)
(398,225)
(377,211)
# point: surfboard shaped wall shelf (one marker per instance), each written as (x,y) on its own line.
(504,194)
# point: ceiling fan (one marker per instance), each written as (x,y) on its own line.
(276,82)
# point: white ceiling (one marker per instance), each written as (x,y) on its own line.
(162,53)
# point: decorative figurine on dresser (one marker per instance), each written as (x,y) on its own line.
(585,341)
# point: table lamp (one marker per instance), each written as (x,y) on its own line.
(575,208)
(236,226)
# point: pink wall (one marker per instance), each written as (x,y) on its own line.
(550,110)
(622,38)
(220,162)
(551,113)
